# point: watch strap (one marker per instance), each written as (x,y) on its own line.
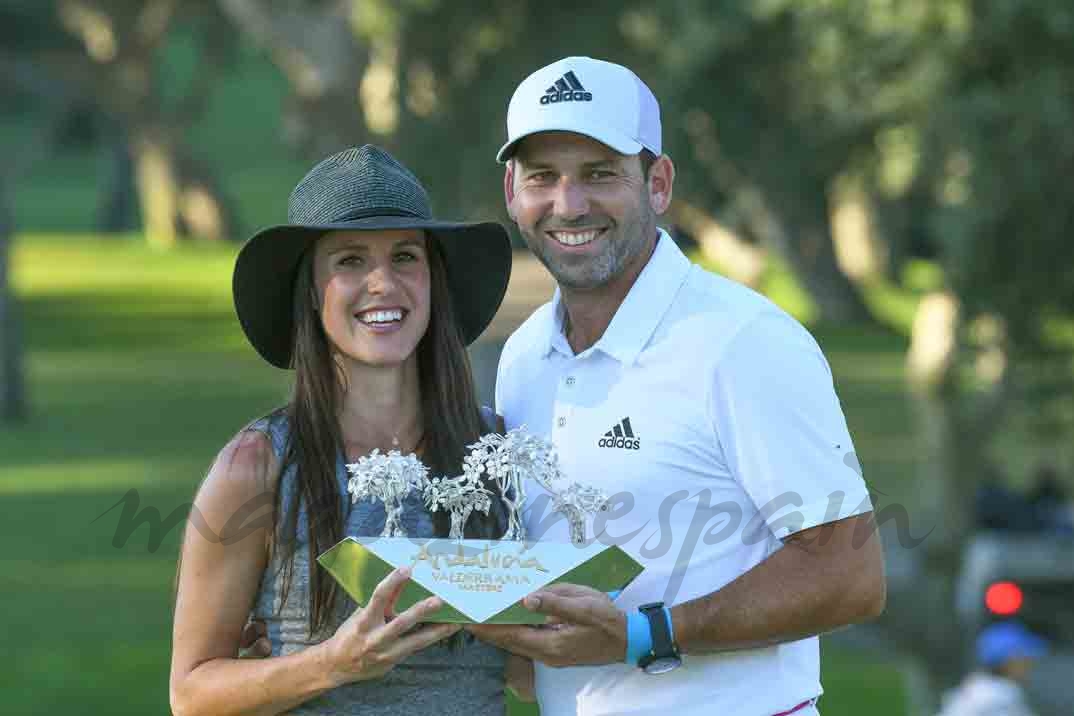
(639,637)
(662,633)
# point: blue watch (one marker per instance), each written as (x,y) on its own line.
(662,654)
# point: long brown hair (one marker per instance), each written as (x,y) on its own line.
(452,420)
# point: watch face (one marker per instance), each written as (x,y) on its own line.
(663,665)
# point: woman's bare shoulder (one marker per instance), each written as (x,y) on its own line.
(245,469)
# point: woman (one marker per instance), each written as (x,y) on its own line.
(371,302)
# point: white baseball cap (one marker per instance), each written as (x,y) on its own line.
(599,99)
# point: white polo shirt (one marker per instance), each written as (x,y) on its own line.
(711,417)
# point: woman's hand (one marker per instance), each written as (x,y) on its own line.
(375,639)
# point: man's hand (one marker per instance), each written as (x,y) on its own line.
(584,627)
(518,673)
(254,642)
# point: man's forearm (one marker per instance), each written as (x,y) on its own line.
(821,579)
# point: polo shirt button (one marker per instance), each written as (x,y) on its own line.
(561,422)
(570,380)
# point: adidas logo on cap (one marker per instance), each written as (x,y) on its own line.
(620,436)
(567,89)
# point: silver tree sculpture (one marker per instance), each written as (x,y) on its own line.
(575,503)
(508,460)
(460,496)
(388,478)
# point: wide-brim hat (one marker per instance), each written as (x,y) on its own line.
(363,189)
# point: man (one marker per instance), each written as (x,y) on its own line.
(708,412)
(1006,654)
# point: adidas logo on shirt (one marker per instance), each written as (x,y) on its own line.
(566,89)
(620,436)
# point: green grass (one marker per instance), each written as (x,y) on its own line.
(137,375)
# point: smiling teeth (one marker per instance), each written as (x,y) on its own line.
(574,238)
(381,316)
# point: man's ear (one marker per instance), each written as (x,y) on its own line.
(661,182)
(509,187)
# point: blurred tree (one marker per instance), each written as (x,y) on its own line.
(796,121)
(24,83)
(938,124)
(12,384)
(418,77)
(994,343)
(325,63)
(112,52)
(423,75)
(438,75)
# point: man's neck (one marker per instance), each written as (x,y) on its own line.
(589,312)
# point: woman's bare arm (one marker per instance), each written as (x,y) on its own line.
(222,565)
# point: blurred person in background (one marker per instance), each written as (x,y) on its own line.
(1006,653)
(371,302)
(1044,507)
(1050,500)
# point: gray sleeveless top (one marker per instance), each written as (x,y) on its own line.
(467,680)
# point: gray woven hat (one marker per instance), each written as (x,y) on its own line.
(362,189)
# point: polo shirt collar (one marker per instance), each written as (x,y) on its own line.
(641,311)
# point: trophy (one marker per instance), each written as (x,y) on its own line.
(460,497)
(479,580)
(508,459)
(388,478)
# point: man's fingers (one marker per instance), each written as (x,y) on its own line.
(254,630)
(254,641)
(567,589)
(495,634)
(522,640)
(258,650)
(570,609)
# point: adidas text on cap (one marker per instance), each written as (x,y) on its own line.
(599,99)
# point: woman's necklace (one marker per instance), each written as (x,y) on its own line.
(360,448)
(419,444)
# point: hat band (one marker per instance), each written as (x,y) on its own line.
(379,211)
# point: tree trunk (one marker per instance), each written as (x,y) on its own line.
(157,178)
(812,261)
(179,196)
(324,63)
(117,206)
(739,259)
(809,253)
(802,237)
(860,252)
(921,616)
(944,468)
(12,387)
(205,211)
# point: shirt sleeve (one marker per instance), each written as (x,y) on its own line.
(779,423)
(498,394)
